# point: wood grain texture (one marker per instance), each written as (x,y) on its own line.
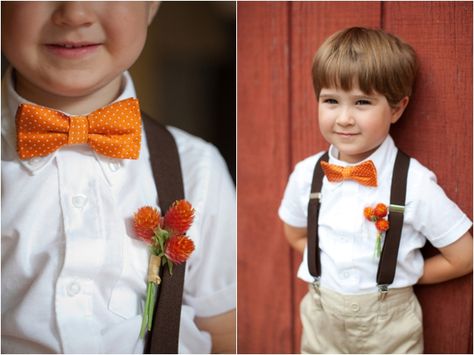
(265,318)
(437,130)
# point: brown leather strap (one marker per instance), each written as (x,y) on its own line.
(165,163)
(388,258)
(314,262)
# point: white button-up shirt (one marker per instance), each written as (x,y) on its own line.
(73,274)
(347,239)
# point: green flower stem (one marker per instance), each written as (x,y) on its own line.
(151,305)
(146,313)
(378,245)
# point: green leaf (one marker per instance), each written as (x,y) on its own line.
(162,244)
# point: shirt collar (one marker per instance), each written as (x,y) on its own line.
(10,102)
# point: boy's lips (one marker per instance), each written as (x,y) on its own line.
(72,50)
(346,134)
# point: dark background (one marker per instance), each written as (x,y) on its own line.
(185,76)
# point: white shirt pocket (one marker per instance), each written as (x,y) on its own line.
(128,294)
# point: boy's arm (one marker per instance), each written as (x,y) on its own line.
(296,237)
(454,261)
(222,329)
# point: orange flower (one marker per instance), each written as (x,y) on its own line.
(369,213)
(178,248)
(179,217)
(145,221)
(382,225)
(380,210)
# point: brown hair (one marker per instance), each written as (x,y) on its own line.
(373,59)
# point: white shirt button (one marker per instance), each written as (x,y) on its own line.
(73,289)
(79,201)
(114,166)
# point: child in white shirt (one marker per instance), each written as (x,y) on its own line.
(363,79)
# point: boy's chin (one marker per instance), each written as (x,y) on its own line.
(79,88)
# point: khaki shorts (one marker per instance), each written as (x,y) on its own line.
(336,323)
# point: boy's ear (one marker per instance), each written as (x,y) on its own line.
(399,109)
(154,5)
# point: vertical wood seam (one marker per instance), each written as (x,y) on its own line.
(290,155)
(382,15)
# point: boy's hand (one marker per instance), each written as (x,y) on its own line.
(454,261)
(297,237)
(222,329)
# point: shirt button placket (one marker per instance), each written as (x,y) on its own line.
(84,254)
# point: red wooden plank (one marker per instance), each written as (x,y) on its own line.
(264,286)
(312,23)
(437,130)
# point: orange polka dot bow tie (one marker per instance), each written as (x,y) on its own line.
(114,130)
(364,173)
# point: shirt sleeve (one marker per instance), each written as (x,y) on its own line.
(432,213)
(210,285)
(293,208)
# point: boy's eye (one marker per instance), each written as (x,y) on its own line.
(330,101)
(363,102)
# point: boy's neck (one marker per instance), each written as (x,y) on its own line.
(74,105)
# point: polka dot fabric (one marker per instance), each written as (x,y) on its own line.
(364,173)
(114,130)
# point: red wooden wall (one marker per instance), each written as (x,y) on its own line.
(277,127)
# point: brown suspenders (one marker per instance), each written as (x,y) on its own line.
(388,258)
(164,335)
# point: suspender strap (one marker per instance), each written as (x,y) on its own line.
(165,163)
(314,262)
(388,258)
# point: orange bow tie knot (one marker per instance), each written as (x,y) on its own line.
(78,130)
(364,173)
(114,130)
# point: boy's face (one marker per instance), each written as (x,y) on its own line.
(354,122)
(73,49)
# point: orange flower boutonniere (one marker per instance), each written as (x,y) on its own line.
(377,215)
(168,245)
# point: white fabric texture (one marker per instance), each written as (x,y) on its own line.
(347,239)
(73,274)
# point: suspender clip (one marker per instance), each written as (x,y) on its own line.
(316,284)
(315,196)
(396,208)
(383,290)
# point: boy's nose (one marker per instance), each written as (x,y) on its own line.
(345,118)
(73,14)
